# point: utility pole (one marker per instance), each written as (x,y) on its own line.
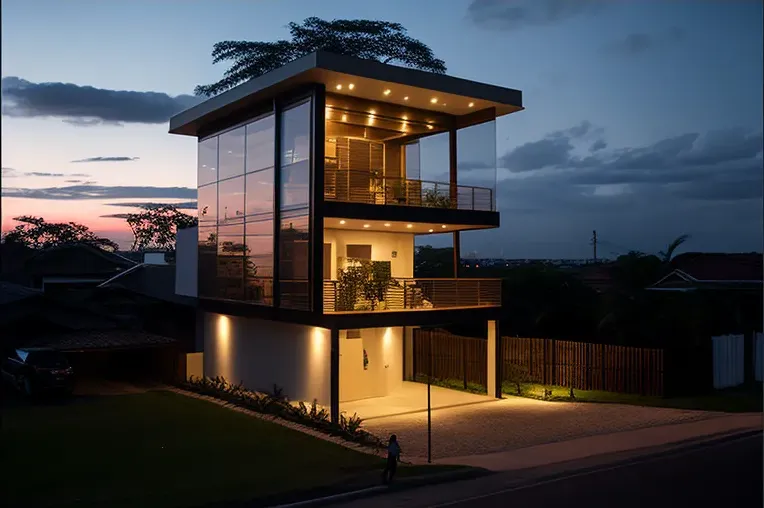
(594,244)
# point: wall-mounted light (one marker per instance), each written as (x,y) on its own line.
(387,92)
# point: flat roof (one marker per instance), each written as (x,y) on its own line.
(370,80)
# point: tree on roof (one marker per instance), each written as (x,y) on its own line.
(382,41)
(156,226)
(36,233)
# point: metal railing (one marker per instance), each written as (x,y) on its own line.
(364,187)
(412,294)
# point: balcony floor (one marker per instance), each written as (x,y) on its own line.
(437,309)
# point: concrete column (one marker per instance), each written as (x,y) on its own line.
(494,360)
(334,382)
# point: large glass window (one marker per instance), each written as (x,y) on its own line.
(476,166)
(260,193)
(231,153)
(259,260)
(207,161)
(261,136)
(207,203)
(231,200)
(207,269)
(295,200)
(230,261)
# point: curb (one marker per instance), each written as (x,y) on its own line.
(399,485)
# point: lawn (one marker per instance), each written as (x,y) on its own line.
(163,449)
(731,401)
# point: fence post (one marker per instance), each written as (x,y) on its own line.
(554,361)
(464,361)
(589,366)
(545,343)
(530,358)
(602,366)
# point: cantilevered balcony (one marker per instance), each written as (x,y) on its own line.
(364,187)
(397,294)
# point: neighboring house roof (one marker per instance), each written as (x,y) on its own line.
(11,293)
(100,340)
(370,78)
(76,260)
(156,281)
(712,271)
(597,277)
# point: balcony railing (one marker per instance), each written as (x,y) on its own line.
(412,294)
(364,187)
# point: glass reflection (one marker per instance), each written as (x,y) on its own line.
(231,153)
(259,193)
(207,203)
(231,200)
(230,261)
(207,161)
(476,163)
(207,268)
(260,144)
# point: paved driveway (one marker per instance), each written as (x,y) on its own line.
(517,422)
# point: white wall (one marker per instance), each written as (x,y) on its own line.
(382,247)
(186,261)
(260,353)
(384,374)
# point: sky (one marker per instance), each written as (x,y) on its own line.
(643,119)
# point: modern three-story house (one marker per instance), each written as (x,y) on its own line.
(314,180)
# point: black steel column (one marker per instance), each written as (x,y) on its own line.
(499,360)
(454,195)
(317,140)
(334,396)
(276,204)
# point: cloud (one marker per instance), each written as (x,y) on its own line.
(88,191)
(184,205)
(13,173)
(73,181)
(8,173)
(515,14)
(106,159)
(553,150)
(85,106)
(598,145)
(637,43)
(37,173)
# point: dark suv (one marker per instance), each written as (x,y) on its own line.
(36,370)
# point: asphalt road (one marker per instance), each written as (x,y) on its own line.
(725,474)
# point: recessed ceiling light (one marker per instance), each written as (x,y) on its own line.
(338,87)
(387,224)
(429,127)
(409,226)
(351,86)
(342,222)
(434,100)
(405,117)
(470,104)
(406,98)
(373,111)
(429,230)
(387,92)
(367,225)
(443,104)
(443,226)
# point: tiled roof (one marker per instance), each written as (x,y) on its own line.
(101,339)
(720,267)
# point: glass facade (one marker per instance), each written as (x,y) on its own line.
(235,204)
(476,159)
(236,198)
(294,246)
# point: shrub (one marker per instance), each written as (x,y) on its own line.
(516,375)
(276,404)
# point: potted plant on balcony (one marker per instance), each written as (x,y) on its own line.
(376,284)
(434,199)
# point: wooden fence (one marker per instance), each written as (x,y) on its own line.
(453,357)
(584,366)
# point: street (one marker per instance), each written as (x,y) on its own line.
(725,473)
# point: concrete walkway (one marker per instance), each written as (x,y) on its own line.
(411,398)
(577,449)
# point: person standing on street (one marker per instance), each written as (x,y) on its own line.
(393,457)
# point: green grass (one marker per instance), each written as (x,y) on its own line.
(731,401)
(164,449)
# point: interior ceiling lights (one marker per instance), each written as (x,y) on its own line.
(386,92)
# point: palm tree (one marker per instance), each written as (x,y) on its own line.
(668,254)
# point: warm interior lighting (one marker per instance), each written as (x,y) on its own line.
(409,226)
(471,104)
(342,222)
(387,92)
(373,111)
(430,230)
(351,86)
(344,118)
(405,117)
(406,98)
(444,104)
(434,100)
(429,127)
(328,112)
(338,87)
(387,224)
(387,338)
(367,225)
(443,226)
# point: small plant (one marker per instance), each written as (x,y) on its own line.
(516,375)
(435,199)
(547,393)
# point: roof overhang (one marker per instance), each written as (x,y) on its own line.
(370,79)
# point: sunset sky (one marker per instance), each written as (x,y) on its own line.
(643,119)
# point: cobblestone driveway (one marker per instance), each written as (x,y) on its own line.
(517,422)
